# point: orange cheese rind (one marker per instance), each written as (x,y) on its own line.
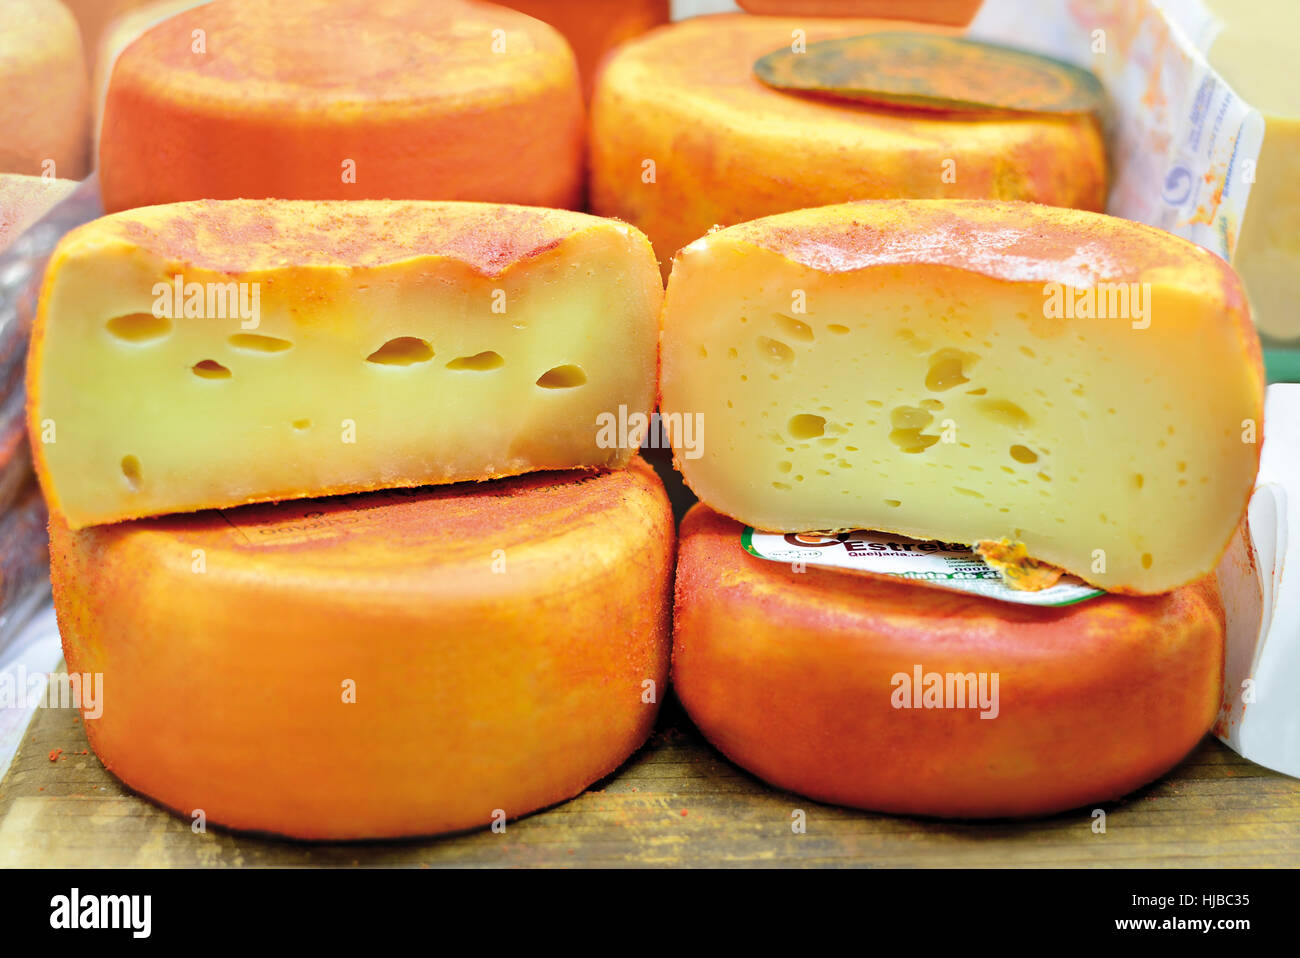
(995,248)
(402,663)
(794,676)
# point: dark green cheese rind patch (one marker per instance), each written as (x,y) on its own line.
(923,71)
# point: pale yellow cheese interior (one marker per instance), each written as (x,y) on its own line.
(421,371)
(1256,53)
(938,403)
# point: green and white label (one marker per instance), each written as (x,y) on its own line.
(949,565)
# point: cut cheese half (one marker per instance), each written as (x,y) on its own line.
(44,103)
(684,137)
(905,699)
(214,353)
(349,99)
(398,663)
(963,371)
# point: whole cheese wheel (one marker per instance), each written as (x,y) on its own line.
(594,27)
(395,663)
(354,99)
(44,102)
(118,34)
(809,680)
(957,12)
(684,137)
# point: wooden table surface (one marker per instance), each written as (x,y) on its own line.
(676,802)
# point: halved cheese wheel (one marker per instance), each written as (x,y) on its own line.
(397,663)
(819,682)
(350,99)
(44,102)
(684,137)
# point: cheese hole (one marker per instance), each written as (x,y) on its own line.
(1146,560)
(774,350)
(794,327)
(402,351)
(893,503)
(806,426)
(562,377)
(478,363)
(139,327)
(948,369)
(1138,480)
(1004,412)
(1023,454)
(210,369)
(131,472)
(302,424)
(256,343)
(838,329)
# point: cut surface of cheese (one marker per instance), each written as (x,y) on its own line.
(395,663)
(214,353)
(1255,53)
(955,12)
(969,370)
(25,199)
(595,27)
(685,137)
(353,99)
(913,700)
(44,102)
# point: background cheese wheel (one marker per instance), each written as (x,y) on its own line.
(25,199)
(354,99)
(44,102)
(956,12)
(499,640)
(684,137)
(791,675)
(594,27)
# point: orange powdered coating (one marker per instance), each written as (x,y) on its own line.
(794,677)
(955,12)
(725,148)
(44,100)
(355,99)
(398,663)
(595,27)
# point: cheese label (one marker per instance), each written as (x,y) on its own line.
(947,565)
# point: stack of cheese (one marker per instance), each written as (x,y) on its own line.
(402,662)
(958,371)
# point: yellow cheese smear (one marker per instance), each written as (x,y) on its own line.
(311,378)
(938,403)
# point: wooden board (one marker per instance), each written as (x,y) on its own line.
(676,802)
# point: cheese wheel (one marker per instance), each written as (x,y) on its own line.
(44,103)
(25,199)
(119,33)
(956,12)
(809,680)
(354,99)
(970,370)
(380,665)
(255,350)
(594,27)
(684,137)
